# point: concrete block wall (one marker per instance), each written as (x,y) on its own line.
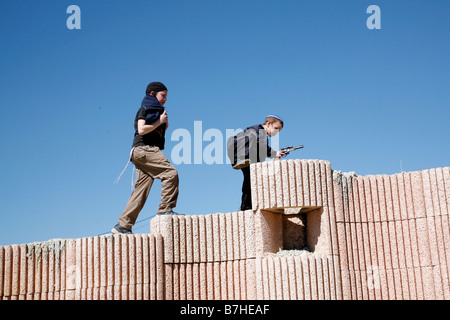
(104,267)
(313,233)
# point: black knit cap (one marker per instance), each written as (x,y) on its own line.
(156,87)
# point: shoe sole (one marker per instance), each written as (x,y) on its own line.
(114,231)
(170,214)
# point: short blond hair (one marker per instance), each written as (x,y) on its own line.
(273,119)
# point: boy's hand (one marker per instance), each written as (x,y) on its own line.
(279,155)
(163,117)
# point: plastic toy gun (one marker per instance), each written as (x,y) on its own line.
(287,150)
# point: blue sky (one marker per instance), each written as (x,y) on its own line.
(365,100)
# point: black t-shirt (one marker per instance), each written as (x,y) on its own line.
(154,138)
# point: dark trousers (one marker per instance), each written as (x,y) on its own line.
(246,202)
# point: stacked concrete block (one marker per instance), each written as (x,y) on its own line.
(105,267)
(290,183)
(213,256)
(394,235)
(295,277)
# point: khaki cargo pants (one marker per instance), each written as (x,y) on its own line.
(150,164)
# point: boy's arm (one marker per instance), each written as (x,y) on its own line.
(144,128)
(274,154)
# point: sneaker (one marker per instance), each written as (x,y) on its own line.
(118,229)
(170,212)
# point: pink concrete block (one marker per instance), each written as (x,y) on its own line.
(237,282)
(402,196)
(435,192)
(117,264)
(182,281)
(153,267)
(312,182)
(338,198)
(306,184)
(428,196)
(325,177)
(223,279)
(259,201)
(182,239)
(176,239)
(216,280)
(342,245)
(216,237)
(446,178)
(166,230)
(318,182)
(249,234)
(222,237)
(15,273)
(2,270)
(299,278)
(209,238)
(307,278)
(286,188)
(266,184)
(433,240)
(254,185)
(299,182)
(319,278)
(236,234)
(250,281)
(230,280)
(189,240)
(265,279)
(417,194)
(159,266)
(330,213)
(146,265)
(22,272)
(429,285)
(195,239)
(441,192)
(229,236)
(292,183)
(7,270)
(241,231)
(395,198)
(71,266)
(329,185)
(259,282)
(103,263)
(202,239)
(139,238)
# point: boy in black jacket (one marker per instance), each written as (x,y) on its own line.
(150,125)
(251,146)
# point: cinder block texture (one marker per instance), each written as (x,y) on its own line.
(348,237)
(394,234)
(290,183)
(104,267)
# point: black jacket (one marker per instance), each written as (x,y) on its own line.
(249,146)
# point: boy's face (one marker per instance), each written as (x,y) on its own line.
(161,96)
(273,128)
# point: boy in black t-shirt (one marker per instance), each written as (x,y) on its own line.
(150,125)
